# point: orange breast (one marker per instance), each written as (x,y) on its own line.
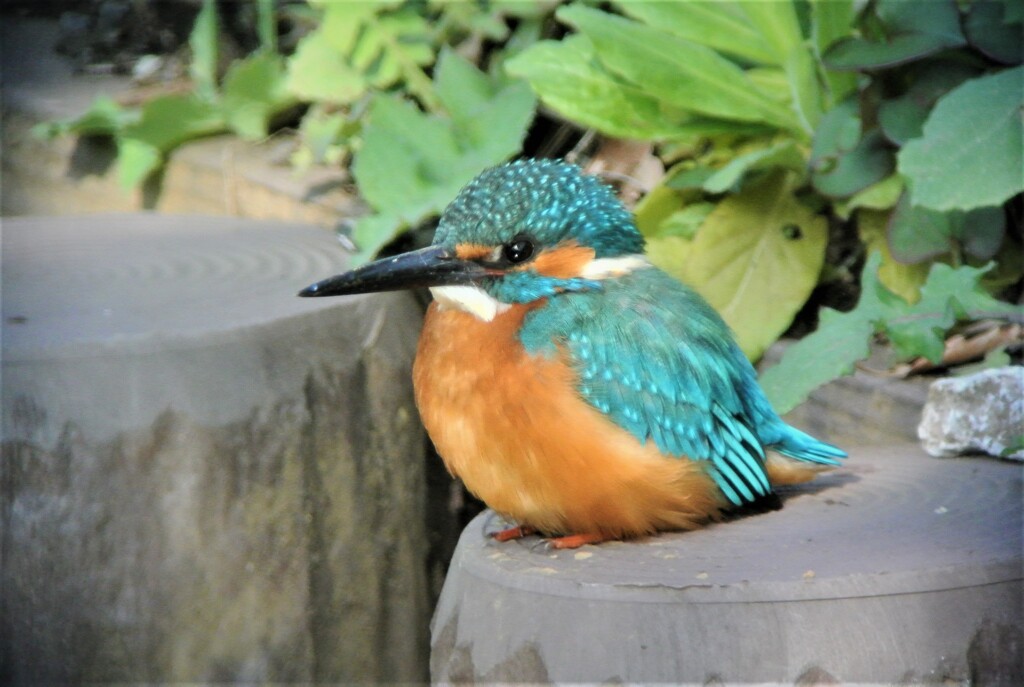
(511,426)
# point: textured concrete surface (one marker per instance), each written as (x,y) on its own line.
(894,569)
(204,477)
(982,413)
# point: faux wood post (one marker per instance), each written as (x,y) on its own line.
(898,568)
(204,477)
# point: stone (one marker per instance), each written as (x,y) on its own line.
(885,571)
(981,413)
(205,478)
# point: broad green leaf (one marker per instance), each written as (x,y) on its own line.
(912,28)
(949,295)
(927,17)
(203,43)
(849,172)
(685,222)
(676,71)
(372,232)
(970,154)
(656,207)
(857,54)
(323,136)
(318,72)
(743,249)
(832,350)
(169,121)
(723,26)
(103,118)
(902,118)
(776,22)
(832,20)
(411,164)
(785,155)
(902,279)
(266,25)
(802,76)
(879,196)
(669,253)
(253,93)
(396,47)
(917,234)
(569,79)
(461,88)
(136,160)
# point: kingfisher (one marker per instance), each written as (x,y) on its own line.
(576,389)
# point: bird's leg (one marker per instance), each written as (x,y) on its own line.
(575,541)
(517,532)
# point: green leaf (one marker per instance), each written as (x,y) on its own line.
(103,118)
(266,25)
(912,28)
(741,250)
(164,124)
(917,234)
(669,253)
(318,72)
(359,45)
(902,118)
(902,279)
(169,121)
(950,295)
(412,164)
(842,339)
(686,221)
(832,20)
(203,43)
(777,22)
(879,196)
(849,172)
(785,155)
(970,153)
(396,47)
(569,79)
(722,26)
(843,161)
(677,72)
(253,93)
(324,138)
(656,207)
(136,160)
(831,351)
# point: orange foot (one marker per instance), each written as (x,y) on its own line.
(511,533)
(575,541)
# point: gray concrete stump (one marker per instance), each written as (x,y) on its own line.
(896,569)
(204,478)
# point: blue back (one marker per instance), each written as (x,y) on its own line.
(659,361)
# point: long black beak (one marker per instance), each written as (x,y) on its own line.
(430,266)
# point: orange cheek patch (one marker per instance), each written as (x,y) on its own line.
(473,251)
(564,261)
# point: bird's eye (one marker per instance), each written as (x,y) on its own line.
(518,250)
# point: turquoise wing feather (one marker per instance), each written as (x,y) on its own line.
(658,360)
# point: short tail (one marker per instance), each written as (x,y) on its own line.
(793,443)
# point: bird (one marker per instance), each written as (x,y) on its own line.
(578,390)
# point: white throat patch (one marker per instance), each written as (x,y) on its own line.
(471,299)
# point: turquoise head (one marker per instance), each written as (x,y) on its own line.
(509,233)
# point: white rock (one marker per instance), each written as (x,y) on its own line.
(982,413)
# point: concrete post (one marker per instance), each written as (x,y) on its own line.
(204,477)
